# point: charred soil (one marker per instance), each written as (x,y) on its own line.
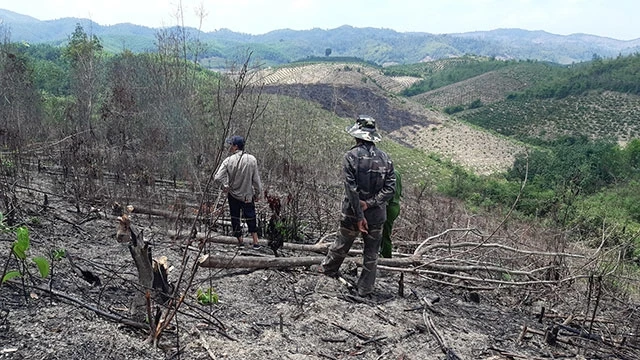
(269,313)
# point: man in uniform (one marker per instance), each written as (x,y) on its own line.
(369,182)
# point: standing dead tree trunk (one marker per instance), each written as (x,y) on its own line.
(152,273)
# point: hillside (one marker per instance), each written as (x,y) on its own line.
(483,267)
(597,115)
(350,89)
(489,87)
(474,149)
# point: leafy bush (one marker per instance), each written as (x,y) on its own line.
(453,109)
(475,104)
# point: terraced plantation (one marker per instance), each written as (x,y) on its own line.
(472,148)
(489,87)
(598,115)
(345,74)
(427,68)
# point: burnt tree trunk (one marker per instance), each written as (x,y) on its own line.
(286,262)
(222,239)
(152,273)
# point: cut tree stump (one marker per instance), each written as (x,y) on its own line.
(152,273)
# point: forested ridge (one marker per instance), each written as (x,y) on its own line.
(380,46)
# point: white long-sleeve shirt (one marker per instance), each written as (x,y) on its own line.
(239,172)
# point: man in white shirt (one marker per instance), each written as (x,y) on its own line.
(240,178)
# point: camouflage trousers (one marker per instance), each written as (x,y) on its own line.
(340,248)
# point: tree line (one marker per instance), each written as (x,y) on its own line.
(570,182)
(619,74)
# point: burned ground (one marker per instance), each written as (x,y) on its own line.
(284,313)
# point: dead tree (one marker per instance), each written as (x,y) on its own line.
(152,273)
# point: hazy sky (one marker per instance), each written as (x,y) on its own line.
(612,18)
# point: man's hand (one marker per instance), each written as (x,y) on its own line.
(363,227)
(363,205)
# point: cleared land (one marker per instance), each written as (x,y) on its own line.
(339,74)
(474,149)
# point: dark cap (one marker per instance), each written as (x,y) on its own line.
(236,140)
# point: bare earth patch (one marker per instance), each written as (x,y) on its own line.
(477,150)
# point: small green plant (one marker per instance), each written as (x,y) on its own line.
(58,254)
(207,297)
(7,166)
(19,249)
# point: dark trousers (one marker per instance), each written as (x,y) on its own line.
(340,248)
(248,210)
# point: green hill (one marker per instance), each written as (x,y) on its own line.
(599,99)
(488,87)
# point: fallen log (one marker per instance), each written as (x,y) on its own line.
(186,212)
(230,262)
(221,239)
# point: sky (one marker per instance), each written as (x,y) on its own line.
(610,18)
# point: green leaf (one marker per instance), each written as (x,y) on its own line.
(20,253)
(208,297)
(21,245)
(43,265)
(58,254)
(10,275)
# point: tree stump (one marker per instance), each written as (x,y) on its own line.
(152,273)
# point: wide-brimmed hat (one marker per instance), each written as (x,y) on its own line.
(365,129)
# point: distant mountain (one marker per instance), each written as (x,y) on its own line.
(381,46)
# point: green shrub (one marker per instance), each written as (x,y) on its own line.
(453,109)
